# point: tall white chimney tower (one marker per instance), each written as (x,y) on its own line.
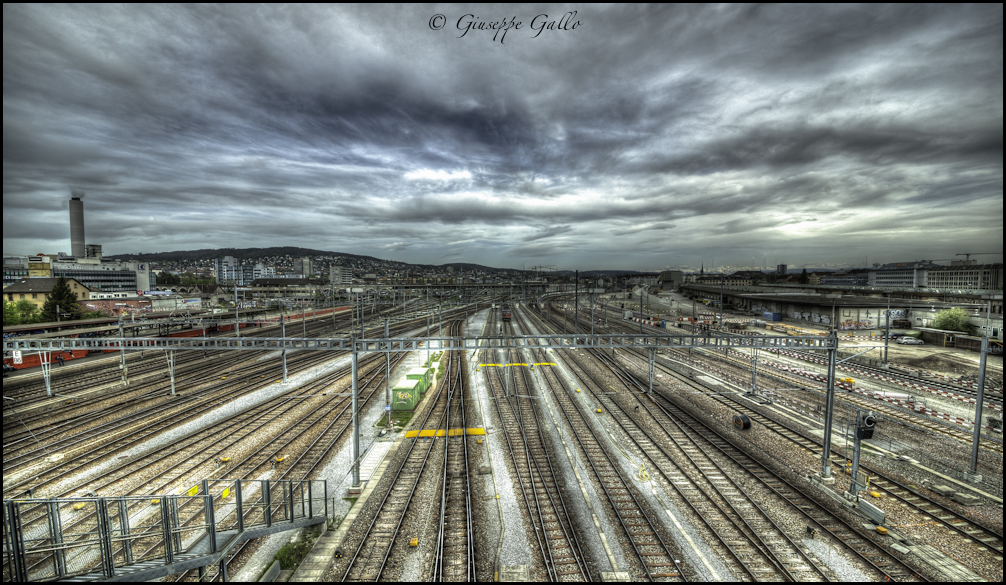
(77,226)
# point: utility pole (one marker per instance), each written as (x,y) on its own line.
(387,369)
(122,364)
(356,415)
(980,398)
(723,278)
(640,311)
(754,372)
(887,334)
(237,324)
(829,410)
(282,333)
(576,300)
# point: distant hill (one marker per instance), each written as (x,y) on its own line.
(240,253)
(292,251)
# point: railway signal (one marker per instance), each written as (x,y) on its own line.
(865,425)
(865,428)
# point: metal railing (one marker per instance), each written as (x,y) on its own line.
(106,537)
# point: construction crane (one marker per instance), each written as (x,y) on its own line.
(968,255)
(539,271)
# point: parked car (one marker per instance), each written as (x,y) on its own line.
(895,336)
(910,341)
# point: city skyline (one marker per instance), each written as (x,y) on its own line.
(645,138)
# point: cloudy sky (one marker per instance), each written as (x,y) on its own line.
(641,138)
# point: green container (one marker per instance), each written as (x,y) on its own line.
(421,374)
(405,395)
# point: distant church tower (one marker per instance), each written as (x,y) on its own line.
(702,271)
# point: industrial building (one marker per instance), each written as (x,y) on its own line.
(907,274)
(847,278)
(966,276)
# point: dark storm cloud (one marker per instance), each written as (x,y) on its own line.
(654,134)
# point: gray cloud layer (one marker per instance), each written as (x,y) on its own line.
(648,137)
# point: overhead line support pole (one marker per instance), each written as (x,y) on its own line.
(829,407)
(652,352)
(170,356)
(387,369)
(122,363)
(356,417)
(282,333)
(237,323)
(979,403)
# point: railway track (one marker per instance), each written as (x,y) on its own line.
(192,457)
(455,556)
(756,542)
(890,412)
(981,536)
(888,566)
(755,547)
(117,435)
(81,450)
(147,380)
(928,508)
(656,559)
(676,421)
(369,561)
(555,536)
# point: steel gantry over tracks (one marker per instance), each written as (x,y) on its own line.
(652,343)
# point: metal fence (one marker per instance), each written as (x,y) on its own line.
(105,537)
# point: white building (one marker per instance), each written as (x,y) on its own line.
(340,276)
(903,274)
(967,275)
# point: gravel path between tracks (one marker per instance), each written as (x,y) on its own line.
(486,508)
(827,553)
(697,553)
(514,548)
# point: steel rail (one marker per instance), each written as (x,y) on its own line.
(388,541)
(632,537)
